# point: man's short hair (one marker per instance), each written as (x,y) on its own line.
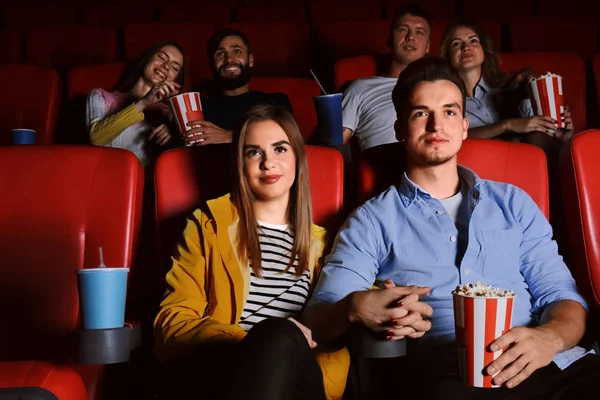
(411,9)
(426,69)
(216,39)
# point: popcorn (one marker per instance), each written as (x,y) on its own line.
(479,289)
(548,74)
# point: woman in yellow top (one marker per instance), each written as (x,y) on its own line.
(137,114)
(241,276)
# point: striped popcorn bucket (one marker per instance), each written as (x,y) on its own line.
(547,96)
(186,107)
(478,322)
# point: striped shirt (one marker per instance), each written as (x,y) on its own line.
(277,294)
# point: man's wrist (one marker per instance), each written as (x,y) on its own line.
(351,307)
(557,342)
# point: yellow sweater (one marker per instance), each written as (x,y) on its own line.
(207,288)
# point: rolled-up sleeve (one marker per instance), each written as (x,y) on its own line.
(354,261)
(543,268)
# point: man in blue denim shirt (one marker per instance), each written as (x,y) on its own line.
(444,226)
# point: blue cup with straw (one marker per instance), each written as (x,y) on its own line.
(102,296)
(329,116)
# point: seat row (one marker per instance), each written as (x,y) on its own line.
(67,201)
(37,92)
(312,11)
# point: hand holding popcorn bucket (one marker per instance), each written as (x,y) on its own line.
(547,97)
(481,315)
(187,107)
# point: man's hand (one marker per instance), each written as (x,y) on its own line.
(528,349)
(306,332)
(396,311)
(204,132)
(160,134)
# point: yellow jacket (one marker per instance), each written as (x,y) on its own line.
(207,288)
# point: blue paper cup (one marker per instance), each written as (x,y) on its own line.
(329,115)
(23,136)
(102,294)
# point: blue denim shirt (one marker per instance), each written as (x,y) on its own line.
(405,235)
(491,105)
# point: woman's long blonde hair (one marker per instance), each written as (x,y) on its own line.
(299,210)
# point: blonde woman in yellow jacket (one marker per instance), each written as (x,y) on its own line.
(228,325)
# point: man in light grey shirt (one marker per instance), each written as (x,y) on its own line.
(367,106)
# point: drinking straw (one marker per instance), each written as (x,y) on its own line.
(101,260)
(314,76)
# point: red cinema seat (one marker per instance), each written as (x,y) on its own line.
(10,42)
(70,46)
(521,164)
(62,205)
(33,103)
(194,11)
(435,8)
(271,13)
(117,15)
(81,80)
(344,39)
(581,194)
(568,65)
(548,34)
(323,11)
(33,16)
(349,69)
(596,68)
(182,184)
(279,48)
(576,8)
(191,37)
(477,9)
(300,91)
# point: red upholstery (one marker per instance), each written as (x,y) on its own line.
(478,9)
(191,37)
(81,80)
(547,34)
(64,203)
(517,163)
(286,12)
(33,102)
(353,38)
(435,8)
(279,48)
(335,10)
(196,11)
(182,184)
(576,8)
(596,68)
(10,41)
(70,46)
(568,65)
(349,69)
(117,15)
(300,92)
(23,17)
(581,193)
(61,380)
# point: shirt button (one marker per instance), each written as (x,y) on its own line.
(467,271)
(439,212)
(453,238)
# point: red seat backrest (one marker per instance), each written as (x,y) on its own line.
(581,194)
(576,8)
(271,13)
(435,8)
(194,11)
(279,48)
(70,46)
(323,11)
(34,16)
(117,15)
(568,65)
(348,69)
(59,204)
(183,184)
(596,68)
(533,34)
(81,80)
(521,164)
(353,38)
(300,92)
(191,37)
(477,9)
(10,41)
(33,102)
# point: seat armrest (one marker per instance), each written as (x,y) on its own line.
(108,346)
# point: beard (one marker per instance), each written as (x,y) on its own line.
(233,82)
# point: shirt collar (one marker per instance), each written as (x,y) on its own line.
(481,89)
(409,191)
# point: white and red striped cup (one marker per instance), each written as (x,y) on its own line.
(547,97)
(478,322)
(186,107)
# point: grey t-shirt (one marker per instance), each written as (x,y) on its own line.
(368,111)
(457,208)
